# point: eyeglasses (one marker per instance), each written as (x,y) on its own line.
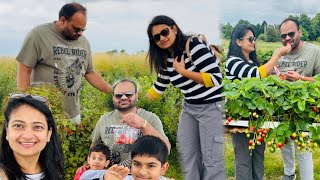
(165,32)
(127,94)
(290,34)
(250,39)
(38,98)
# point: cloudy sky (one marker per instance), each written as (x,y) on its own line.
(112,24)
(272,11)
(121,24)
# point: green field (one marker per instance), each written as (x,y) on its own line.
(113,67)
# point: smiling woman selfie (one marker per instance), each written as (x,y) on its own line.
(30,146)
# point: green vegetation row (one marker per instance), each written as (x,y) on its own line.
(310,28)
(76,139)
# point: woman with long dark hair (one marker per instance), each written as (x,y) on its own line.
(30,146)
(200,132)
(242,62)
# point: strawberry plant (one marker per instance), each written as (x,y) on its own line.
(290,107)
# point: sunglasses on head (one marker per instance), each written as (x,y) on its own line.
(127,94)
(250,39)
(290,34)
(35,97)
(165,32)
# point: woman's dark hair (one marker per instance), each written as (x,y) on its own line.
(51,157)
(235,50)
(157,57)
(68,10)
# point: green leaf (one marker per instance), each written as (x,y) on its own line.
(260,103)
(301,105)
(231,94)
(287,133)
(280,92)
(302,125)
(313,131)
(280,139)
(270,108)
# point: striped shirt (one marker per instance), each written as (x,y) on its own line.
(205,63)
(237,68)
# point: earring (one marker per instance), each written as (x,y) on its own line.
(7,138)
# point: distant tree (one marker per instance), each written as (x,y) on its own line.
(316,25)
(123,51)
(305,34)
(305,22)
(262,37)
(272,34)
(244,22)
(226,31)
(258,29)
(141,52)
(114,51)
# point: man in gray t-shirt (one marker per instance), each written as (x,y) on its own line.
(126,114)
(302,63)
(57,53)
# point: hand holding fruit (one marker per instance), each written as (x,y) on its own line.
(293,76)
(133,120)
(284,50)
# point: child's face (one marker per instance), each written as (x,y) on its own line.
(146,167)
(98,161)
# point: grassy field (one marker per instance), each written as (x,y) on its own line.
(114,66)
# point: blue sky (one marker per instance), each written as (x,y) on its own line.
(112,24)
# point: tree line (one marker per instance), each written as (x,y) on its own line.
(310,28)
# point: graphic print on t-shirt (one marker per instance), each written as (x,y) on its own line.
(69,64)
(286,64)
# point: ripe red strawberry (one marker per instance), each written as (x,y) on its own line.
(314,109)
(122,136)
(229,119)
(260,139)
(280,145)
(227,122)
(250,142)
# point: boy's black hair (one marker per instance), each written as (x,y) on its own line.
(100,147)
(150,146)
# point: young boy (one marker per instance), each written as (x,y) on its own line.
(149,161)
(98,159)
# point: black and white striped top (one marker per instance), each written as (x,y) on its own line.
(195,93)
(237,68)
